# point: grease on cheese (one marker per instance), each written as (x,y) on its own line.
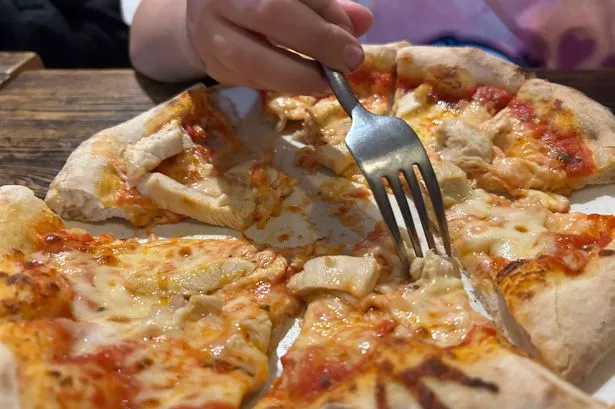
(438,305)
(507,231)
(166,297)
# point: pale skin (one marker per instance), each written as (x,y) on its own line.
(233,41)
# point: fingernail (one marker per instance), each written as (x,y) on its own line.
(353,56)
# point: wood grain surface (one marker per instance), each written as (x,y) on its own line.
(14,63)
(45,114)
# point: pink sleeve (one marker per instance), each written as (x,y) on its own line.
(562,33)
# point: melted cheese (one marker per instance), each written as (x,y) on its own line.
(9,384)
(190,307)
(439,305)
(511,232)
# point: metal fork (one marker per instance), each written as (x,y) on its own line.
(387,148)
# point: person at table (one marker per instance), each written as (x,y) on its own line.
(236,41)
(66,34)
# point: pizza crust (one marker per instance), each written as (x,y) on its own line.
(596,123)
(85,187)
(472,66)
(570,320)
(23,216)
(494,377)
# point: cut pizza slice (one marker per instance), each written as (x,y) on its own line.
(326,124)
(438,84)
(546,277)
(550,137)
(90,321)
(168,163)
(399,345)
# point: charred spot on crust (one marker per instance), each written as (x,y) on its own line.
(20,279)
(509,268)
(434,367)
(380,393)
(53,287)
(568,159)
(386,366)
(11,306)
(606,253)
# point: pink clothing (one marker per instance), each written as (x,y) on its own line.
(549,33)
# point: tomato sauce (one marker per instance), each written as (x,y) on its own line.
(571,151)
(196,132)
(380,83)
(567,146)
(65,240)
(118,388)
(406,85)
(315,372)
(493,98)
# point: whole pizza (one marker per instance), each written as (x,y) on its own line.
(94,321)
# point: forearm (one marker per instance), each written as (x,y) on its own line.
(160,45)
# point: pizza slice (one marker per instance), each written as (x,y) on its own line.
(546,277)
(170,162)
(326,124)
(90,321)
(439,84)
(365,343)
(286,108)
(550,137)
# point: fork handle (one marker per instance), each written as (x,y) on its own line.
(341,89)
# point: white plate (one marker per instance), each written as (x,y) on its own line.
(292,229)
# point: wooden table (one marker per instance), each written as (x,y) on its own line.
(45,114)
(14,63)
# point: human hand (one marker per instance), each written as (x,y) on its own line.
(235,40)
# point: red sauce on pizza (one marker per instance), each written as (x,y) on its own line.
(406,84)
(521,110)
(66,240)
(493,98)
(571,151)
(116,385)
(379,82)
(566,145)
(196,132)
(314,372)
(130,197)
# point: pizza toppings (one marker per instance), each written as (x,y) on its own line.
(467,146)
(556,129)
(93,321)
(355,275)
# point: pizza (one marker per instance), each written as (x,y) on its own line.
(551,138)
(92,321)
(543,265)
(180,159)
(325,123)
(394,344)
(436,85)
